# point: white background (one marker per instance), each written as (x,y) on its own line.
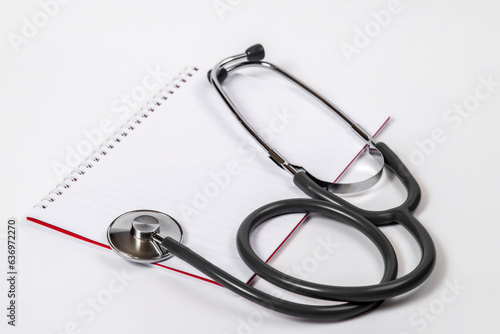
(64,78)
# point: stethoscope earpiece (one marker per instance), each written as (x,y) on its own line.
(255,52)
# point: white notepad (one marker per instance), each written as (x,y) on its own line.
(186,155)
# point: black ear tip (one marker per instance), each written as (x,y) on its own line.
(221,76)
(255,52)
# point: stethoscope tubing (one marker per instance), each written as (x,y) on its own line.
(399,215)
(359,299)
(259,216)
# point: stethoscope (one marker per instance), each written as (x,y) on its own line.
(149,236)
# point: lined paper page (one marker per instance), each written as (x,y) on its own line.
(192,160)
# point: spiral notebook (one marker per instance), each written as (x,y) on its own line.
(185,154)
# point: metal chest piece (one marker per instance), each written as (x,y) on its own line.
(137,235)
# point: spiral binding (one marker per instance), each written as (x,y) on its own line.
(109,144)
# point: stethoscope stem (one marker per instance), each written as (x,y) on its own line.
(158,238)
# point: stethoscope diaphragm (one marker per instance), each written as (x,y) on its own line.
(136,235)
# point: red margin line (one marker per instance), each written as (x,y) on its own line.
(77,236)
(359,153)
(71,234)
(307,214)
(282,243)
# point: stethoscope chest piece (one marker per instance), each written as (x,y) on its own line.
(137,235)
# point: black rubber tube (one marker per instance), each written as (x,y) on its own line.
(379,218)
(358,299)
(259,216)
(401,215)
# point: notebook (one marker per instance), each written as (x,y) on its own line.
(185,154)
